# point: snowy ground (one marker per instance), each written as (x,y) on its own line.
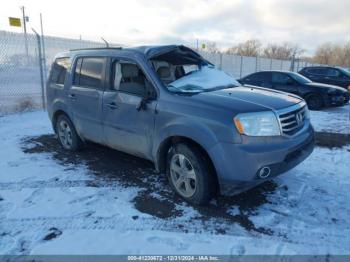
(100,201)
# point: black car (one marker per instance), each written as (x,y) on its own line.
(328,75)
(317,95)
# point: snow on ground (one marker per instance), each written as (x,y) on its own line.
(100,201)
(334,120)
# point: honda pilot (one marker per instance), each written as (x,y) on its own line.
(197,124)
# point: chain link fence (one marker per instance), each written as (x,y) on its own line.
(20,82)
(240,66)
(20,73)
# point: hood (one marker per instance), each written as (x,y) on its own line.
(249,99)
(325,86)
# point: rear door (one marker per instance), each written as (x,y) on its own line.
(283,82)
(85,96)
(127,127)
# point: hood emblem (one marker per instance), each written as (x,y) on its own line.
(299,118)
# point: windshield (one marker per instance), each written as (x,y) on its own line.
(300,79)
(345,72)
(194,78)
(206,78)
(183,70)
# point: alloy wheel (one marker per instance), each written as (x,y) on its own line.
(183,175)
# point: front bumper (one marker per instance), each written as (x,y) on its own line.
(337,99)
(238,165)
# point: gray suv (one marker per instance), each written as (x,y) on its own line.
(169,105)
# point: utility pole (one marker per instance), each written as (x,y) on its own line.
(25,31)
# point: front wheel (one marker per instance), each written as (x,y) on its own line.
(189,174)
(314,102)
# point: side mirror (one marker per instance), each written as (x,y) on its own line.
(150,95)
(142,105)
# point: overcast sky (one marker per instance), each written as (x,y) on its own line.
(136,22)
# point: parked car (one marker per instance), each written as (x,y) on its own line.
(328,75)
(317,95)
(169,105)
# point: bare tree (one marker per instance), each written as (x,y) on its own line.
(282,51)
(325,54)
(333,54)
(212,48)
(250,47)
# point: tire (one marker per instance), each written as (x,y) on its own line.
(67,135)
(314,102)
(189,174)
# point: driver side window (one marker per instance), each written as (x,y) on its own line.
(332,72)
(129,78)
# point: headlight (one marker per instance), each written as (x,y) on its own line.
(257,124)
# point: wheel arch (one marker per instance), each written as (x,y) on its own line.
(166,144)
(55,116)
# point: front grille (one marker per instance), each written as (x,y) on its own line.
(291,122)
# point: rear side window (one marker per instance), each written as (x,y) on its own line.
(59,70)
(333,72)
(89,72)
(317,71)
(258,77)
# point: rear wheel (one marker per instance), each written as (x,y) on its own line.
(189,174)
(66,134)
(314,102)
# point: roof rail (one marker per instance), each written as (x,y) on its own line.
(97,48)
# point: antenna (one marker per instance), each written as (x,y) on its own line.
(104,40)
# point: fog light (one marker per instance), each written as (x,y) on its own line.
(264,172)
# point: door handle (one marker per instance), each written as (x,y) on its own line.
(72,97)
(112,105)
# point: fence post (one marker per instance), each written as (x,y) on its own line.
(292,64)
(43,45)
(270,63)
(220,65)
(256,64)
(298,66)
(40,59)
(240,70)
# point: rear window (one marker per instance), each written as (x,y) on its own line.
(88,72)
(258,77)
(59,70)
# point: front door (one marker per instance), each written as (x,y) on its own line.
(283,82)
(127,127)
(336,77)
